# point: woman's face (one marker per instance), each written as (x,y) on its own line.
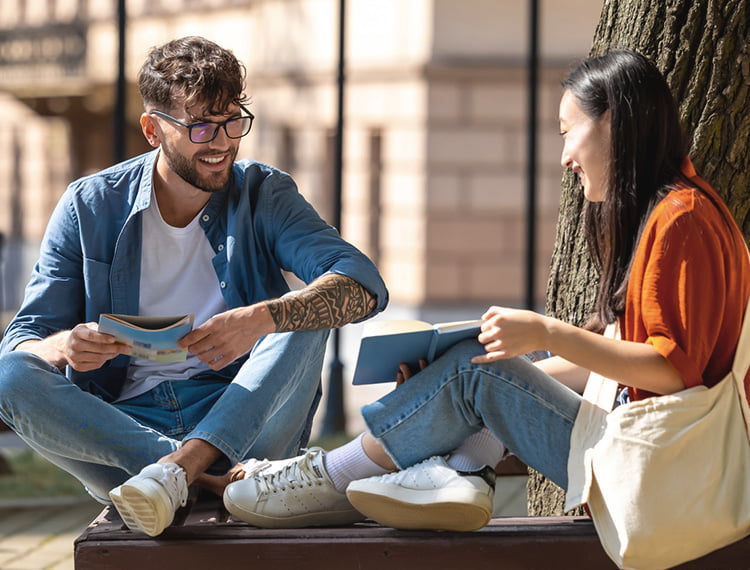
(586,147)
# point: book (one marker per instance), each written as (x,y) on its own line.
(387,343)
(152,338)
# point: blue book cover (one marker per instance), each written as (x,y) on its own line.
(387,343)
(152,338)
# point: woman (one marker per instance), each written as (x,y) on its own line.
(673,273)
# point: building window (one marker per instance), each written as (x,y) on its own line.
(287,150)
(374,191)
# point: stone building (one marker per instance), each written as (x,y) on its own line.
(435,125)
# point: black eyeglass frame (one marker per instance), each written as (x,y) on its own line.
(190,127)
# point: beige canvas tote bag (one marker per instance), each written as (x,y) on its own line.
(666,479)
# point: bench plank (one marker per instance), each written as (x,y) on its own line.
(205,537)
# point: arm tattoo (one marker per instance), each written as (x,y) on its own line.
(330,301)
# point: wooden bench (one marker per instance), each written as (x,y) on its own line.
(204,536)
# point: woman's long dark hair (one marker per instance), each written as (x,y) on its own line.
(647,149)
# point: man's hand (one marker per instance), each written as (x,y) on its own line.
(83,348)
(330,301)
(225,337)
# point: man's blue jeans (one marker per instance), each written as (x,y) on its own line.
(266,411)
(436,409)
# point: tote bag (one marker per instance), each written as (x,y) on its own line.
(666,479)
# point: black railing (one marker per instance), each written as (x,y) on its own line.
(334,420)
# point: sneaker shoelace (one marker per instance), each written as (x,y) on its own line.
(251,468)
(170,479)
(298,474)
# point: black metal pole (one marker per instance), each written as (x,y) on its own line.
(334,420)
(118,127)
(533,88)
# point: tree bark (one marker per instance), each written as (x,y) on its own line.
(702,48)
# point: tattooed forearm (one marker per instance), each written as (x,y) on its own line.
(328,302)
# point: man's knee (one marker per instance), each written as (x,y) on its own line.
(22,371)
(301,342)
(300,350)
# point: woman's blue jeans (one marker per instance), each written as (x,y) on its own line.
(432,413)
(266,411)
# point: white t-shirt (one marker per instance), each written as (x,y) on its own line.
(177,278)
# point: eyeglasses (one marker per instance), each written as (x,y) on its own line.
(235,128)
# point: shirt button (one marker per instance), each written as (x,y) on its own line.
(206,217)
(223,285)
(221,247)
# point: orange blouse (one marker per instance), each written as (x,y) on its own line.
(689,285)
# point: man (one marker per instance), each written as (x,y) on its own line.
(182,229)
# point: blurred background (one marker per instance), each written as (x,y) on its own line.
(430,104)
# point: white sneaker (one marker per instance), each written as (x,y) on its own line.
(290,494)
(148,501)
(428,495)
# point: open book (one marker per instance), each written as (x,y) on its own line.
(386,344)
(152,338)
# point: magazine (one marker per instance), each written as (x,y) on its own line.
(152,338)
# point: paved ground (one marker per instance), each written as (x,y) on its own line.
(40,536)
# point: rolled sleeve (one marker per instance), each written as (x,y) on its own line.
(309,247)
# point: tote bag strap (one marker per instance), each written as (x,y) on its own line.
(601,391)
(598,398)
(741,366)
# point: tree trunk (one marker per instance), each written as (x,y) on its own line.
(702,48)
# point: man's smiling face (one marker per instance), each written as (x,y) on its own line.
(207,166)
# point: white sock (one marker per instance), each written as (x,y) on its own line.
(349,463)
(477,450)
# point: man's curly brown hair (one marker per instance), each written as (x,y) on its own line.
(193,69)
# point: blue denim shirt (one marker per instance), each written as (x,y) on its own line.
(91,251)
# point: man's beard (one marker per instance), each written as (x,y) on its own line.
(183,167)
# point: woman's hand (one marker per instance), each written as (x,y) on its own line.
(510,332)
(513,332)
